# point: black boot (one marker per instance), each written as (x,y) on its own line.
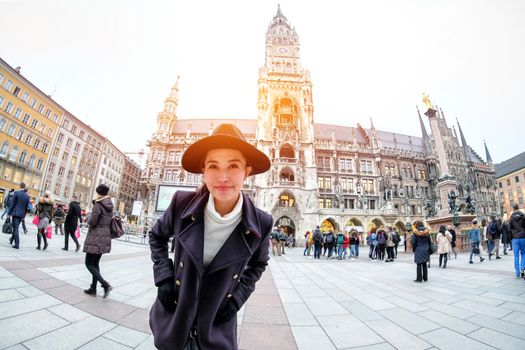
(107,289)
(39,240)
(91,291)
(45,241)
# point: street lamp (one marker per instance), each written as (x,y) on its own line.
(408,225)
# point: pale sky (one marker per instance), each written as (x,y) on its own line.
(113,63)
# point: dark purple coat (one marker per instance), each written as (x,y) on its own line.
(201,293)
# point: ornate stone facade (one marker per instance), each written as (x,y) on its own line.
(329,175)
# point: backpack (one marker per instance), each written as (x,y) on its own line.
(493,228)
(330,238)
(274,235)
(115,227)
(340,239)
(381,240)
(395,237)
(318,238)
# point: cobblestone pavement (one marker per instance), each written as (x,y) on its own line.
(300,303)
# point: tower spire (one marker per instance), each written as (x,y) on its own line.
(371,123)
(487,154)
(423,129)
(464,144)
(172,101)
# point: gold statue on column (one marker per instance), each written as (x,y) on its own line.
(426,101)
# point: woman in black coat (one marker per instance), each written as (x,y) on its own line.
(220,242)
(506,237)
(421,247)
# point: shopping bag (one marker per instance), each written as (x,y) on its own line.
(36,220)
(77,232)
(49,232)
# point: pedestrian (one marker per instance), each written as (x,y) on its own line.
(494,231)
(282,239)
(274,236)
(397,239)
(58,218)
(443,239)
(381,244)
(221,246)
(505,237)
(325,245)
(390,244)
(356,245)
(421,247)
(346,244)
(7,202)
(330,243)
(453,241)
(98,239)
(340,239)
(44,210)
(307,246)
(318,242)
(517,229)
(17,213)
(475,240)
(71,223)
(372,238)
(483,235)
(29,210)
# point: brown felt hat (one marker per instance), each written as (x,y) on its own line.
(224,136)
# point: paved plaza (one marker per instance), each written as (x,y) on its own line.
(300,303)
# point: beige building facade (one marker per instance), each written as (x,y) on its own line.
(510,176)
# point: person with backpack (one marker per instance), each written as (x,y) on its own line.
(340,241)
(318,243)
(421,247)
(381,244)
(282,240)
(330,243)
(396,238)
(505,237)
(453,240)
(98,239)
(390,245)
(494,230)
(59,218)
(7,202)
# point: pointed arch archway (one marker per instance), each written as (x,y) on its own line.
(328,224)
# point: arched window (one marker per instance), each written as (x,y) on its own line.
(13,154)
(23,156)
(286,200)
(287,175)
(31,162)
(3,150)
(39,164)
(286,151)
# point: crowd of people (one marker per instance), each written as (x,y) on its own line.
(17,205)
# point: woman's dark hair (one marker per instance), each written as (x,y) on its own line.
(442,229)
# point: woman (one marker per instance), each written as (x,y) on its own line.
(59,218)
(421,248)
(474,236)
(381,244)
(443,240)
(44,210)
(346,242)
(98,239)
(390,244)
(221,246)
(307,246)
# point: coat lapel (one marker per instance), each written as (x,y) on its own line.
(234,249)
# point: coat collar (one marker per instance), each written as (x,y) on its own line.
(195,209)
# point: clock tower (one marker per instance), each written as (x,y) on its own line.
(285,127)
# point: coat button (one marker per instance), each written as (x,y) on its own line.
(229,296)
(181,264)
(175,302)
(235,276)
(247,232)
(193,218)
(177,282)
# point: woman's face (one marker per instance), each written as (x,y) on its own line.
(224,173)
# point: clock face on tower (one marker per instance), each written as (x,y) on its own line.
(282,50)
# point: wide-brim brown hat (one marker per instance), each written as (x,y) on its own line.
(224,136)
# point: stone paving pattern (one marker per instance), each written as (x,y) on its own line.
(300,303)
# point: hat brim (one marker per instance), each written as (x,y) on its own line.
(193,158)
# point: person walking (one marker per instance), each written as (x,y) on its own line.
(505,237)
(443,239)
(453,241)
(17,212)
(346,245)
(494,229)
(330,243)
(58,218)
(340,239)
(274,236)
(73,217)
(381,244)
(517,229)
(44,210)
(397,239)
(318,243)
(421,247)
(98,239)
(372,236)
(307,246)
(475,240)
(221,246)
(7,202)
(282,239)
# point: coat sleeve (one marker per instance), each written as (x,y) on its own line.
(95,215)
(12,204)
(254,269)
(158,242)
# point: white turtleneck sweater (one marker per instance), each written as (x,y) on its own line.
(218,228)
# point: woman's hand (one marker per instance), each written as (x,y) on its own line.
(166,294)
(226,313)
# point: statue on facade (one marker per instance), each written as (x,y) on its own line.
(430,210)
(452,202)
(471,209)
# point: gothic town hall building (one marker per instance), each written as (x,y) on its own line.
(333,176)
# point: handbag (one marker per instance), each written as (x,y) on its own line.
(77,232)
(7,227)
(36,220)
(49,232)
